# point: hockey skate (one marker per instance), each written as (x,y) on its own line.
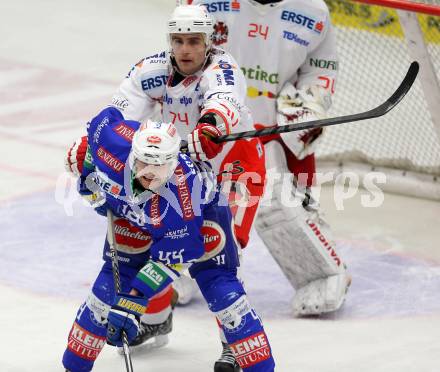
(226,362)
(151,336)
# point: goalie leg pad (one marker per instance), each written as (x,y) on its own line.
(298,238)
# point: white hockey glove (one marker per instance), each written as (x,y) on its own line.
(297,106)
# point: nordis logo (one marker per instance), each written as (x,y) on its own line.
(302,20)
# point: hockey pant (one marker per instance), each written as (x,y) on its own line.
(88,334)
(242,174)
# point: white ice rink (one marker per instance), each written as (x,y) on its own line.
(60,62)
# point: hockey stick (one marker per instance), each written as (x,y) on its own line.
(380,110)
(117,280)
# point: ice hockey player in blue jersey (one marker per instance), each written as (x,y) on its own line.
(138,173)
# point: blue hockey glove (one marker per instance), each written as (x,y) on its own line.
(124,316)
(94,198)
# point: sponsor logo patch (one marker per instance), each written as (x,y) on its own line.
(223,6)
(84,344)
(131,239)
(233,318)
(109,159)
(120,103)
(88,160)
(295,38)
(131,305)
(184,194)
(124,131)
(303,20)
(99,128)
(235,6)
(221,33)
(214,239)
(152,275)
(324,63)
(325,243)
(108,185)
(154,82)
(257,73)
(186,101)
(228,71)
(167,100)
(251,350)
(177,234)
(155,211)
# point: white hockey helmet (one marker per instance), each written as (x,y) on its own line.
(156,145)
(189,19)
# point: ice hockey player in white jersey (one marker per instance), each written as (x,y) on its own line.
(287,51)
(202,91)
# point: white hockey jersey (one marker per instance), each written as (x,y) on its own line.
(219,88)
(291,40)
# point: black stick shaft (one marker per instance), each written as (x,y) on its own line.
(380,110)
(117,281)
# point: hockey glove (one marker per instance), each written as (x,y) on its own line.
(124,317)
(75,156)
(297,106)
(200,146)
(94,198)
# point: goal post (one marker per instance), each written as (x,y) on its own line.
(377,40)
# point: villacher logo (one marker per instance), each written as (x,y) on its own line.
(214,238)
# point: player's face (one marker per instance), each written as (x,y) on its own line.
(189,51)
(151,176)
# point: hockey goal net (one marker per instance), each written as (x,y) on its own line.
(377,40)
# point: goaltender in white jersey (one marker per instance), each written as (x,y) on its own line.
(287,52)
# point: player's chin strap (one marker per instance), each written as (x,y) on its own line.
(117,280)
(376,112)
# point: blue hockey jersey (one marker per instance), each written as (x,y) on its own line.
(188,218)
